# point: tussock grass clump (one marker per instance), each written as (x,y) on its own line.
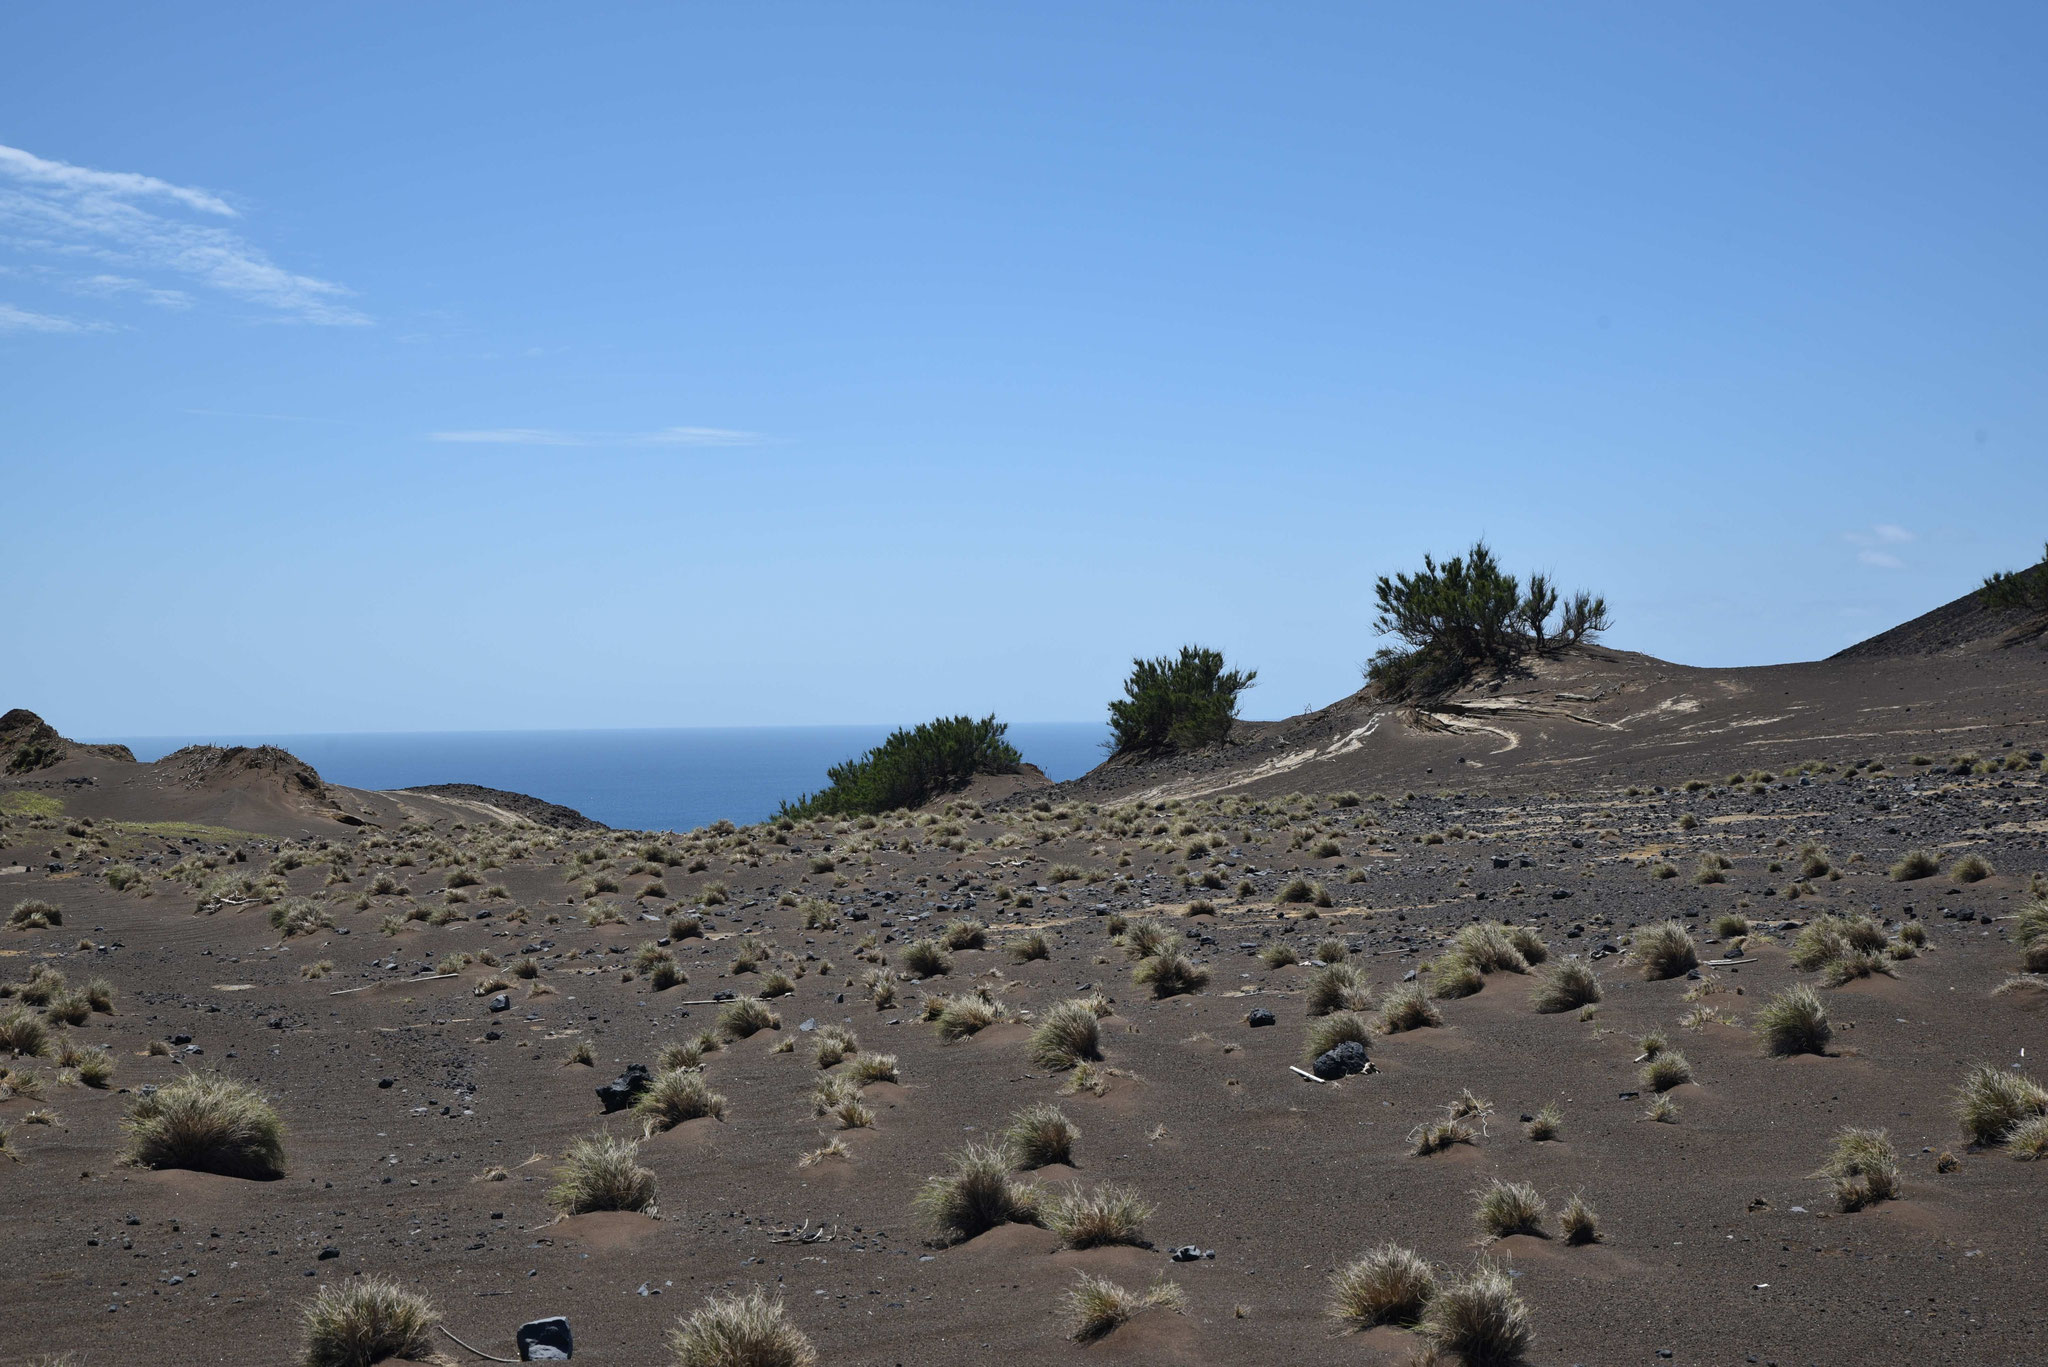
(1479,1319)
(1794,1022)
(833,1045)
(1828,938)
(1863,1167)
(1388,1285)
(33,913)
(24,1032)
(1510,1208)
(1142,939)
(1100,1306)
(1567,987)
(206,1122)
(1857,963)
(94,1067)
(1916,864)
(1110,1214)
(602,1173)
(1454,976)
(745,1016)
(925,959)
(1279,954)
(1491,947)
(1992,1102)
(1407,1008)
(1971,868)
(674,1097)
(1664,951)
(964,932)
(976,1196)
(1065,1035)
(866,1068)
(1667,1070)
(1545,1124)
(1026,948)
(2028,1140)
(1730,925)
(1297,890)
(970,1013)
(1170,973)
(1327,1032)
(752,1330)
(1435,1136)
(1041,1134)
(365,1321)
(1336,987)
(1580,1222)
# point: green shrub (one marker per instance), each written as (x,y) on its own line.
(2027,588)
(912,767)
(1176,704)
(1465,615)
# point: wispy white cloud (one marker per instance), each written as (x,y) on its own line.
(108,286)
(548,436)
(14,319)
(79,180)
(138,223)
(1872,540)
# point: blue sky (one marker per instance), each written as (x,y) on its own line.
(438,367)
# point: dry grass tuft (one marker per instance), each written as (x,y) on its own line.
(365,1321)
(1100,1306)
(1794,1022)
(752,1330)
(1039,1135)
(745,1016)
(1664,951)
(1065,1035)
(1170,973)
(1479,1320)
(674,1097)
(1567,987)
(1389,1285)
(1407,1008)
(976,1196)
(1510,1208)
(1337,987)
(1108,1215)
(206,1122)
(1667,1070)
(1579,1222)
(1993,1102)
(1863,1167)
(602,1173)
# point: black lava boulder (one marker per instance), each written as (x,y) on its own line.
(1342,1061)
(546,1340)
(623,1090)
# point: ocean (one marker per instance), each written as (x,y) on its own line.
(672,779)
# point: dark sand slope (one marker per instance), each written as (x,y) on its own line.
(1720,1245)
(1941,682)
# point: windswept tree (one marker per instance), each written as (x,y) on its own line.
(1174,704)
(1466,615)
(912,767)
(2027,588)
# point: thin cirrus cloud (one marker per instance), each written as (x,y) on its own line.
(14,319)
(549,436)
(54,212)
(1872,544)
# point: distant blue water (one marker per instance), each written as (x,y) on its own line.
(673,779)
